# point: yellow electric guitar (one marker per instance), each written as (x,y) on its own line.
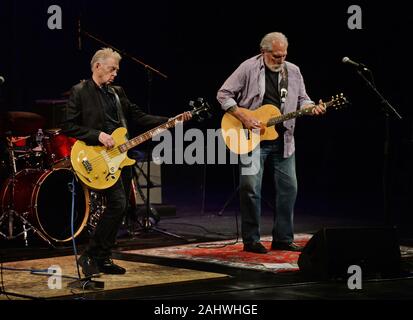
(240,140)
(99,168)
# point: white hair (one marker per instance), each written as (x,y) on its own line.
(266,42)
(102,55)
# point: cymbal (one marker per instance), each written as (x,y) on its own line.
(21,123)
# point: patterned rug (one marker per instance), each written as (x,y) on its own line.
(32,278)
(231,254)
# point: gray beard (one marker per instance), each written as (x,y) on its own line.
(277,69)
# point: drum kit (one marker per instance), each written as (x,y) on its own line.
(37,182)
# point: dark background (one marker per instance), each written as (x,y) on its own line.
(198,44)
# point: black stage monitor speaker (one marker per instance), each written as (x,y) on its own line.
(330,252)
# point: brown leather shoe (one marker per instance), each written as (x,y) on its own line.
(286,246)
(255,247)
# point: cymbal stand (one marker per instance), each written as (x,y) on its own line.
(11,213)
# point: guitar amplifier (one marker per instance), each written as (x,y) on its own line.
(155,185)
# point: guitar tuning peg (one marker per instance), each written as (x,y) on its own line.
(191,103)
(200,100)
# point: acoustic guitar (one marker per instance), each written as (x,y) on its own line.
(240,140)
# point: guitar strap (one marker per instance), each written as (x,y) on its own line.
(283,86)
(121,116)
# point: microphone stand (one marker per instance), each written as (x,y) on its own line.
(126,54)
(388,110)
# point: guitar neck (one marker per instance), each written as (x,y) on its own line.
(295,114)
(149,134)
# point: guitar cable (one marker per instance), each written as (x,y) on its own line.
(80,283)
(72,189)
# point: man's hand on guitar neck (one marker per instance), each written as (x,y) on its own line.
(248,121)
(106,140)
(182,117)
(319,109)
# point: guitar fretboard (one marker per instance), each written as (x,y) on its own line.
(149,134)
(295,114)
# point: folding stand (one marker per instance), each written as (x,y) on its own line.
(150,215)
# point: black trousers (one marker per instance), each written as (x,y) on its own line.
(117,200)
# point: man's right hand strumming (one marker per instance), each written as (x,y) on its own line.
(106,140)
(248,121)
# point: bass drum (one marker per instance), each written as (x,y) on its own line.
(44,198)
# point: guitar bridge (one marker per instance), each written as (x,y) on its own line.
(87,165)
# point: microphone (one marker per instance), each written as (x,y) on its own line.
(283,94)
(79,35)
(347,60)
(2,80)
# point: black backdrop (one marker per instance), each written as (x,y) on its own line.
(198,44)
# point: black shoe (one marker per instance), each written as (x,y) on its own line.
(109,267)
(255,247)
(286,246)
(89,266)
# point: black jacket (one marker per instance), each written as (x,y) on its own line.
(83,117)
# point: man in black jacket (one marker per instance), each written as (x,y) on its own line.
(94,110)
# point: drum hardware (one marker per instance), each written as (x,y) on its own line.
(34,194)
(10,214)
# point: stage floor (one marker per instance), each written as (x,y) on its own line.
(227,281)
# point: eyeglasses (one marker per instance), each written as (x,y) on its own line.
(277,56)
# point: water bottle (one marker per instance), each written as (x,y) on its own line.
(39,138)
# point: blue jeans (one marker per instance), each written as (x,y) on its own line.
(285,180)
